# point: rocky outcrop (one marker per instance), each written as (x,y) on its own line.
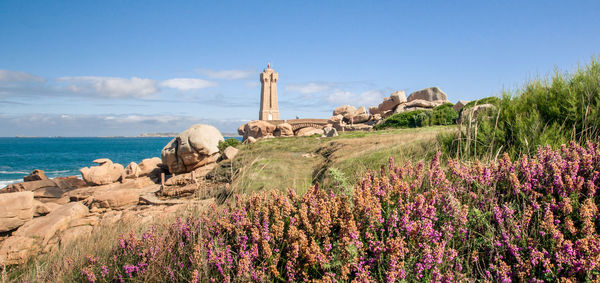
(429,94)
(132,170)
(398,96)
(36,175)
(107,172)
(390,103)
(16,250)
(193,148)
(116,196)
(36,235)
(258,129)
(284,130)
(43,228)
(51,190)
(336,119)
(343,110)
(309,131)
(150,167)
(15,210)
(420,103)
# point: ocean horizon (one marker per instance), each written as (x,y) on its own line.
(64,156)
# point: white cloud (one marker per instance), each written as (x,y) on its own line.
(339,96)
(134,118)
(17,76)
(366,98)
(228,74)
(187,84)
(309,87)
(111,86)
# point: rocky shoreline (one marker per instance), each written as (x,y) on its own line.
(39,215)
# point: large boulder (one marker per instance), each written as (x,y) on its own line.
(258,129)
(36,175)
(421,103)
(16,250)
(150,167)
(309,131)
(398,96)
(429,94)
(374,110)
(15,210)
(43,228)
(360,118)
(388,104)
(132,170)
(336,119)
(284,130)
(107,172)
(193,148)
(230,152)
(343,110)
(51,190)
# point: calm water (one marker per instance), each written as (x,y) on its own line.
(65,156)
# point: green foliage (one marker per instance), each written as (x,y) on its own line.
(409,119)
(487,100)
(227,143)
(552,111)
(441,115)
(444,115)
(339,181)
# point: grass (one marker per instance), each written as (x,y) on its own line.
(299,162)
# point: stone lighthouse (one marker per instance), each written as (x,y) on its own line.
(268,95)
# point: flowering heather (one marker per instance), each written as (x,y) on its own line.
(535,219)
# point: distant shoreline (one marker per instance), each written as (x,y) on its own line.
(140,136)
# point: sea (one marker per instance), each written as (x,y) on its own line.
(61,156)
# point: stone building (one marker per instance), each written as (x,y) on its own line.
(268,95)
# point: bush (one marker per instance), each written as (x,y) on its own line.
(227,143)
(549,112)
(409,119)
(531,220)
(444,115)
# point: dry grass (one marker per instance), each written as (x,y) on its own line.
(298,162)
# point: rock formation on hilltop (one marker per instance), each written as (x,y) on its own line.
(193,148)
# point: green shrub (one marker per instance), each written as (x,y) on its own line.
(227,143)
(409,119)
(544,112)
(444,115)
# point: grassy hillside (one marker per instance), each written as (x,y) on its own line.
(299,162)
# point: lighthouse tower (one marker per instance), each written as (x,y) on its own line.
(268,95)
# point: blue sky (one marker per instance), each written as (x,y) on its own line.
(97,68)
